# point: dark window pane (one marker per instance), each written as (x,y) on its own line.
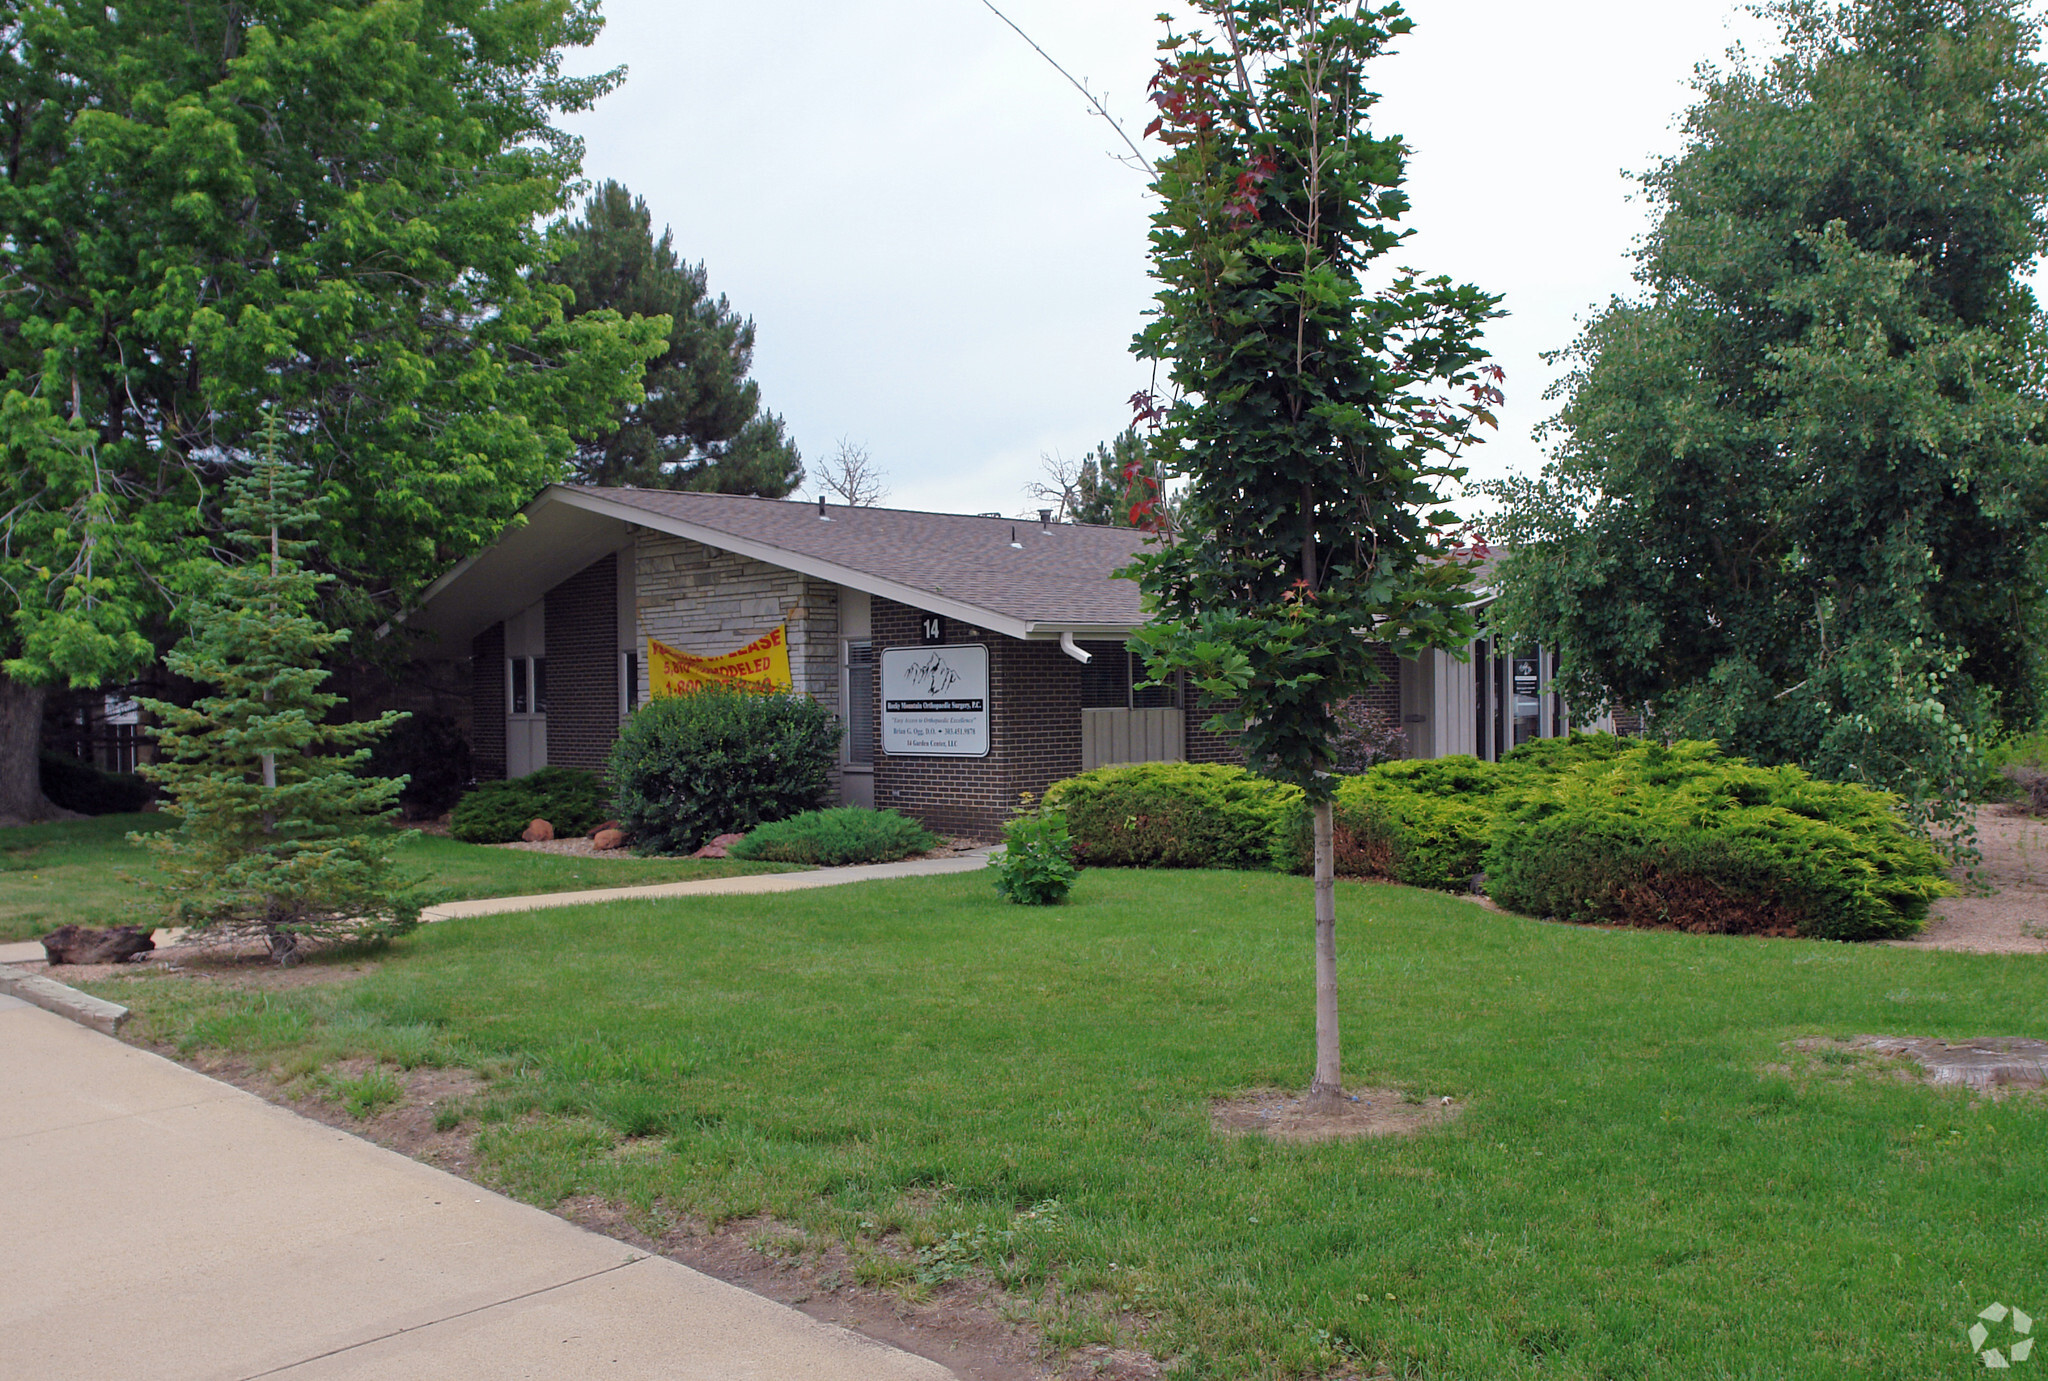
(1106,679)
(1165,696)
(632,681)
(540,685)
(860,704)
(519,685)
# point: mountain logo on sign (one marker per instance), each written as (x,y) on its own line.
(931,675)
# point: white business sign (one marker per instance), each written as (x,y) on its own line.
(935,701)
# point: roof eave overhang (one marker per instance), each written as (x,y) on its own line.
(928,600)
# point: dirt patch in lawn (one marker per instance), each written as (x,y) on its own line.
(979,1331)
(1285,1116)
(1995,1065)
(2004,910)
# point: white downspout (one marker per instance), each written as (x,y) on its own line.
(1068,646)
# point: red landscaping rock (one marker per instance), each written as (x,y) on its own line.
(539,832)
(596,830)
(717,848)
(608,839)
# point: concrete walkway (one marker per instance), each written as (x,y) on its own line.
(716,887)
(157,1223)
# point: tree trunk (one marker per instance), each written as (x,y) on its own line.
(21,743)
(1329,1081)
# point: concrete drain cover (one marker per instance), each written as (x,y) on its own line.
(1996,1062)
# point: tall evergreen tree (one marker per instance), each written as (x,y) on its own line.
(1800,496)
(275,828)
(323,208)
(701,424)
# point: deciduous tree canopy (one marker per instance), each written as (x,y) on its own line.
(1311,423)
(322,206)
(1799,494)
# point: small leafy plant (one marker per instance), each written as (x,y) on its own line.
(1036,866)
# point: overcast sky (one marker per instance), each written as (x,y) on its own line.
(945,264)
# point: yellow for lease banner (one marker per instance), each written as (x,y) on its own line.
(762,664)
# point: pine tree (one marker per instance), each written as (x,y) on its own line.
(701,425)
(275,832)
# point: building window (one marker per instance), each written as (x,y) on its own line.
(860,704)
(1110,681)
(528,678)
(629,683)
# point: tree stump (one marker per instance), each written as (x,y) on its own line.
(77,944)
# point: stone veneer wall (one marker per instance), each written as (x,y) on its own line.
(1034,731)
(699,599)
(583,666)
(487,702)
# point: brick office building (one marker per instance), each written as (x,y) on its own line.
(1023,622)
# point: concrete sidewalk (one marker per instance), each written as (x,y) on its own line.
(717,887)
(161,1224)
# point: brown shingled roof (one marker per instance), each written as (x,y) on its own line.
(1057,576)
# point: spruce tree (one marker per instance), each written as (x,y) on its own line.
(276,829)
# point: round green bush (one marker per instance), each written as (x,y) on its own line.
(837,836)
(499,812)
(691,767)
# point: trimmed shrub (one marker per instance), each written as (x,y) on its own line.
(433,756)
(1036,866)
(1174,815)
(691,767)
(840,835)
(1681,838)
(81,786)
(1423,822)
(498,812)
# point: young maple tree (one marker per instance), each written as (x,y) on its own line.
(1311,421)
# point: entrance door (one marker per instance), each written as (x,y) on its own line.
(526,692)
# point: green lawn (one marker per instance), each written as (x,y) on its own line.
(1632,1192)
(85,872)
